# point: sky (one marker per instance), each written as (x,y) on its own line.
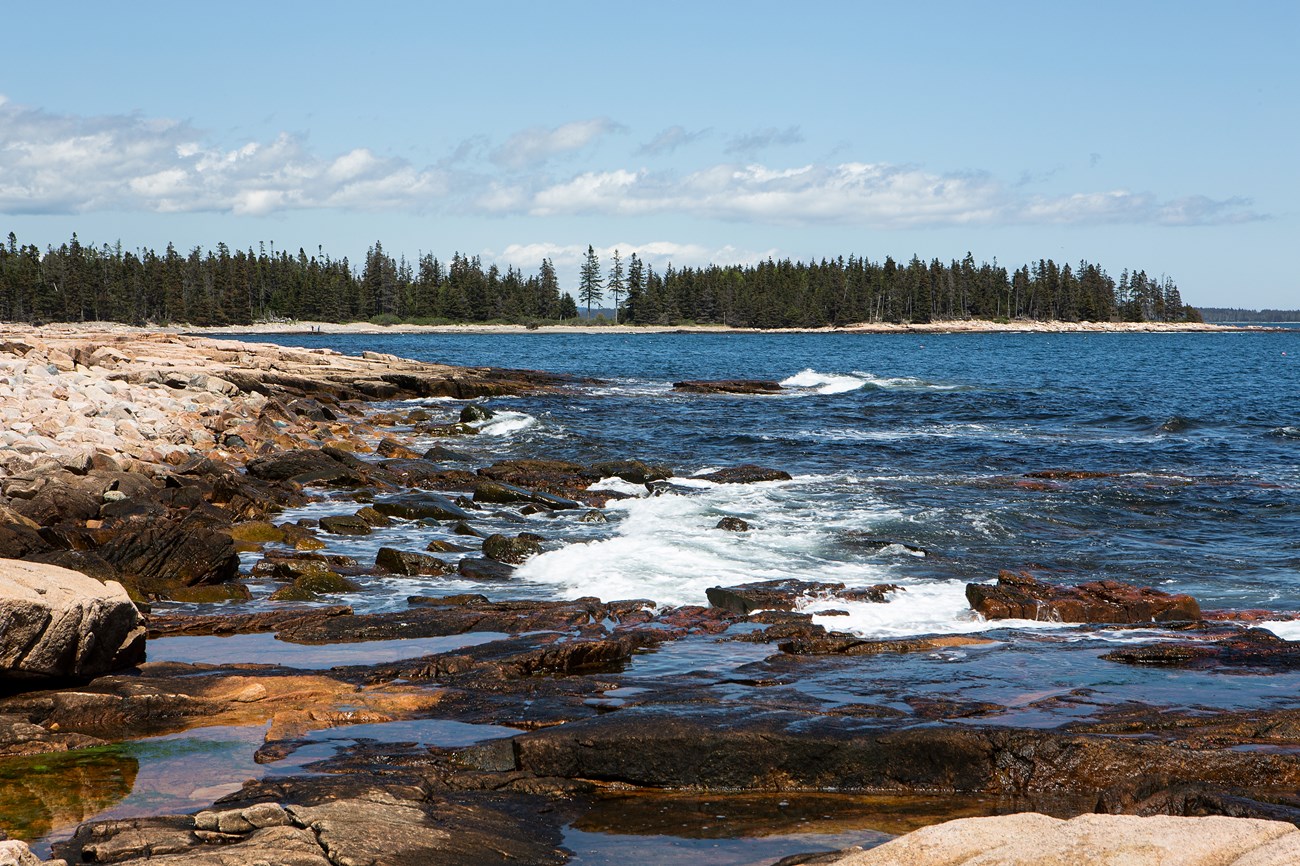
(1155,135)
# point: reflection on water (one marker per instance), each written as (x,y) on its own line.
(267,649)
(745,829)
(42,793)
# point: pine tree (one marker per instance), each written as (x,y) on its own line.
(589,281)
(616,284)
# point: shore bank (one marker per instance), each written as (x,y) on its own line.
(569,729)
(972,326)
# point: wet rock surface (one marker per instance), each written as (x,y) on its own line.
(1021,596)
(728,386)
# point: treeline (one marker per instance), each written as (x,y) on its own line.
(82,282)
(1234,314)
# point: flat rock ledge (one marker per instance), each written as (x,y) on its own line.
(57,624)
(1031,839)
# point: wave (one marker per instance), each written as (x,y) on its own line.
(841,383)
(505,423)
(1285,432)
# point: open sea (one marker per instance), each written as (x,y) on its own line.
(911,457)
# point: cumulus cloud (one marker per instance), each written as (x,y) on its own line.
(66,164)
(761,139)
(537,145)
(51,163)
(856,193)
(670,139)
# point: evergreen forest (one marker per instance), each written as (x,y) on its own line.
(82,282)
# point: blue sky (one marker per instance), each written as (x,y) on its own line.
(1153,135)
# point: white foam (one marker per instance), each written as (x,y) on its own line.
(1287,629)
(823,383)
(504,423)
(618,485)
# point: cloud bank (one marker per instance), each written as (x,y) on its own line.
(67,164)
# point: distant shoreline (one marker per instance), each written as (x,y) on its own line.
(973,326)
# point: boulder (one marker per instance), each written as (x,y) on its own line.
(59,624)
(392,448)
(732,524)
(405,562)
(1020,596)
(746,474)
(728,386)
(345,524)
(419,506)
(1251,648)
(502,493)
(785,593)
(193,549)
(475,568)
(514,551)
(474,412)
(632,471)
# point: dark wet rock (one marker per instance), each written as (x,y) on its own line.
(744,749)
(1020,596)
(173,625)
(1250,648)
(405,562)
(632,471)
(373,518)
(305,466)
(476,568)
(464,528)
(19,541)
(389,447)
(513,659)
(291,565)
(732,524)
(513,551)
(474,412)
(746,474)
(664,488)
(257,531)
(312,585)
(422,473)
(503,493)
(729,386)
(190,550)
(593,516)
(870,542)
(439,454)
(57,624)
(59,503)
(418,506)
(345,524)
(785,594)
(1069,475)
(439,617)
(559,477)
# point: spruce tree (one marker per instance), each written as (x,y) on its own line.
(589,281)
(616,284)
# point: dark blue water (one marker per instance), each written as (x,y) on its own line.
(932,435)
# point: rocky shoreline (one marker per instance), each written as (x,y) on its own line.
(151,462)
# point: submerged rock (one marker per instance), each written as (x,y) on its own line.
(475,568)
(786,593)
(513,551)
(59,624)
(503,493)
(1020,596)
(732,524)
(1255,647)
(746,474)
(405,562)
(728,386)
(419,506)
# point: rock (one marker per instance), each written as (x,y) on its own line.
(418,506)
(392,448)
(502,493)
(474,568)
(474,412)
(371,517)
(313,584)
(514,551)
(258,531)
(404,562)
(1020,596)
(464,528)
(437,546)
(559,477)
(345,524)
(1251,648)
(732,524)
(746,474)
(729,386)
(632,471)
(59,503)
(16,853)
(190,550)
(304,466)
(1031,839)
(59,624)
(439,454)
(785,594)
(593,516)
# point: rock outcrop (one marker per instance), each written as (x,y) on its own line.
(1020,596)
(58,624)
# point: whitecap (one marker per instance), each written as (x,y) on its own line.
(505,423)
(823,383)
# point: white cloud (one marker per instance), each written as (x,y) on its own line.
(535,146)
(52,163)
(760,139)
(67,164)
